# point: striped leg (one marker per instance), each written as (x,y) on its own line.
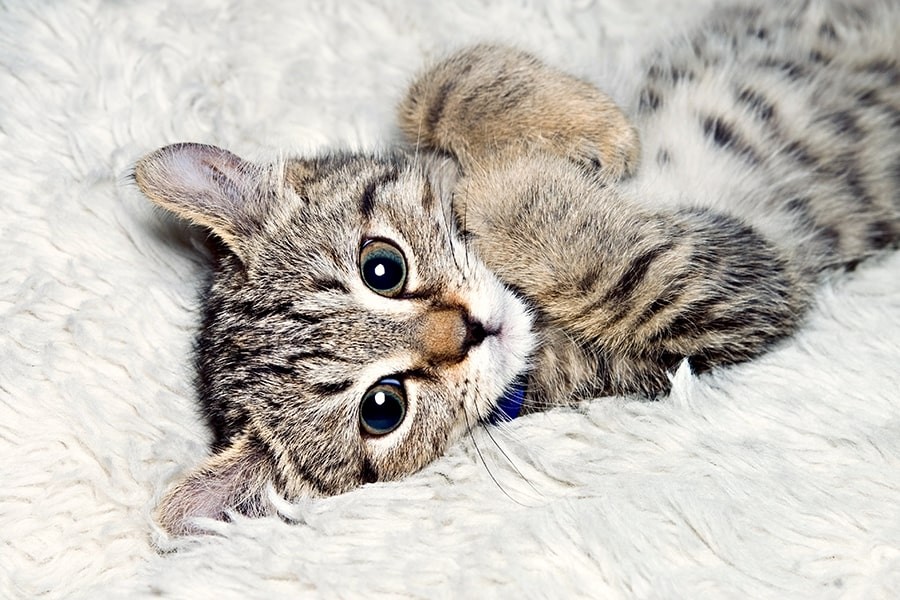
(637,291)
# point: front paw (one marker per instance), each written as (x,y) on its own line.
(599,140)
(490,100)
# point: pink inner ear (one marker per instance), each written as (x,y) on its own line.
(207,185)
(235,479)
(190,168)
(206,171)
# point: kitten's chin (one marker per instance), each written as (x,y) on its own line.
(507,355)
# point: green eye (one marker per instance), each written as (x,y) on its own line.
(383,407)
(382,268)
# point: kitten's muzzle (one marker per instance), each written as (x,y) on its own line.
(447,334)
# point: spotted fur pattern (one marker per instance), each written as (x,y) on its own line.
(543,241)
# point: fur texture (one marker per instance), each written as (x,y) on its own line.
(774,478)
(293,338)
(348,276)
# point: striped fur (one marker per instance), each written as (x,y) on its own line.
(546,235)
(771,154)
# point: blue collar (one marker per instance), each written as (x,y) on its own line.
(509,405)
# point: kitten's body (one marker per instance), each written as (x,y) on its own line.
(779,119)
(771,152)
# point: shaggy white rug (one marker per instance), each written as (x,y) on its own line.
(779,478)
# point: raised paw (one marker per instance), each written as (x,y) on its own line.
(489,100)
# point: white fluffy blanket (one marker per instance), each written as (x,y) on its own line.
(779,478)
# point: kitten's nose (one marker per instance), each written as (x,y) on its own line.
(447,335)
(475,333)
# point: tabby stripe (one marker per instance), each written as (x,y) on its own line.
(731,322)
(845,168)
(243,356)
(816,56)
(303,318)
(622,291)
(827,30)
(507,96)
(308,475)
(331,389)
(330,285)
(831,237)
(871,98)
(635,274)
(845,123)
(256,311)
(792,70)
(764,109)
(367,201)
(711,357)
(367,472)
(670,73)
(800,207)
(690,321)
(589,280)
(884,66)
(271,369)
(663,301)
(427,196)
(649,100)
(423,293)
(663,157)
(724,135)
(881,234)
(320,354)
(800,152)
(436,110)
(253,312)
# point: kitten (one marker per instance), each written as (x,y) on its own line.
(367,310)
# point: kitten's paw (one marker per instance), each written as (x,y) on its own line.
(490,100)
(603,143)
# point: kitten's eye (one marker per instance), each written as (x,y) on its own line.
(383,407)
(382,268)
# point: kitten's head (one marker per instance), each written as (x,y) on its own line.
(349,335)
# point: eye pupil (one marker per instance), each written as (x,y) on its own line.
(382,268)
(383,407)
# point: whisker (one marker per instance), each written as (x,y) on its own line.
(509,460)
(450,236)
(465,220)
(418,142)
(481,457)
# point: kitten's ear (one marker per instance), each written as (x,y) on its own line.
(209,186)
(235,479)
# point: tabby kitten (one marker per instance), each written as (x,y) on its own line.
(367,310)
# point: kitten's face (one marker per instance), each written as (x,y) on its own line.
(350,334)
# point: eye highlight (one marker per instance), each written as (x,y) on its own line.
(383,407)
(382,267)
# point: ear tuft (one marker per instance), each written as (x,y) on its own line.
(207,185)
(234,479)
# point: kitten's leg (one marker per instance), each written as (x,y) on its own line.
(637,291)
(488,100)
